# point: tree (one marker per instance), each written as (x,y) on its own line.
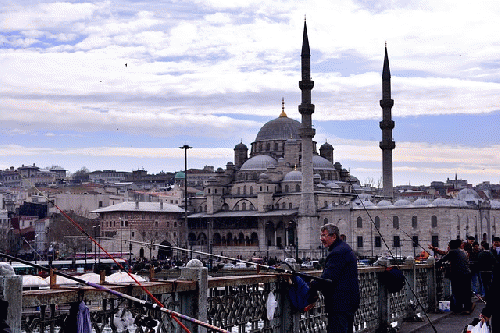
(82,175)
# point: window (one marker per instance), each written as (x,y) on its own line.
(283,205)
(396,242)
(395,222)
(290,206)
(244,206)
(297,188)
(377,222)
(415,241)
(360,241)
(414,222)
(359,222)
(378,241)
(435,240)
(286,188)
(325,221)
(251,189)
(434,221)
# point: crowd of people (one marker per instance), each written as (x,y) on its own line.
(473,268)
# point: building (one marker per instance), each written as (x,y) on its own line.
(151,222)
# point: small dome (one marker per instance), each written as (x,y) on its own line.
(333,185)
(321,163)
(326,145)
(421,202)
(263,176)
(317,176)
(458,203)
(495,204)
(468,195)
(402,202)
(441,202)
(293,176)
(259,162)
(240,146)
(384,203)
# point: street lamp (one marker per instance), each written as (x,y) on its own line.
(185,147)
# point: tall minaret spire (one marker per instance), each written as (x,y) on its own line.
(387,124)
(307,234)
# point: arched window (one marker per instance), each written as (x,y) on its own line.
(268,146)
(244,189)
(244,206)
(283,205)
(297,188)
(290,206)
(395,222)
(377,222)
(434,221)
(325,221)
(251,189)
(286,188)
(359,222)
(276,146)
(414,222)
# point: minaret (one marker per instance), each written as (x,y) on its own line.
(387,124)
(307,235)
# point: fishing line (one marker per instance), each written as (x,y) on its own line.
(280,270)
(397,266)
(144,303)
(107,253)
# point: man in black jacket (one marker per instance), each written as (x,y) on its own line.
(460,277)
(342,295)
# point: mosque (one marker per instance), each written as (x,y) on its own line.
(266,202)
(273,199)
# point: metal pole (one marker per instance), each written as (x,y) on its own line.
(185,147)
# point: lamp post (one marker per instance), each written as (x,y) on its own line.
(185,147)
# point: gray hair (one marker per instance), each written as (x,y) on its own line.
(331,229)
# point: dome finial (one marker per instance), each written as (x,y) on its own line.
(283,114)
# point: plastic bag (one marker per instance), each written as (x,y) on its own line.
(481,328)
(271,306)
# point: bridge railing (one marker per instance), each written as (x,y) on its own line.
(236,303)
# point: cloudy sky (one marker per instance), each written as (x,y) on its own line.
(122,84)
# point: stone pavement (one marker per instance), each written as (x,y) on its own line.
(444,322)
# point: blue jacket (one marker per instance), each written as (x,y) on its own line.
(342,269)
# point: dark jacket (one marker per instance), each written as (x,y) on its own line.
(458,262)
(486,261)
(342,269)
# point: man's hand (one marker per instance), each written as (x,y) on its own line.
(484,319)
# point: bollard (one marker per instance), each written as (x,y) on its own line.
(11,292)
(195,304)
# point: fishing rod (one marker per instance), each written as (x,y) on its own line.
(75,224)
(415,243)
(280,270)
(146,304)
(390,252)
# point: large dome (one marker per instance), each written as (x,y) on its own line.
(281,128)
(259,162)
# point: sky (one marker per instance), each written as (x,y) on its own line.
(123,84)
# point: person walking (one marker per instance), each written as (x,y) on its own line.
(486,263)
(342,294)
(460,277)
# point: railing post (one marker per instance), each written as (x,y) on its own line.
(11,292)
(383,305)
(411,290)
(195,304)
(290,318)
(432,283)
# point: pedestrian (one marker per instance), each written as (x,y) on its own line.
(460,277)
(486,263)
(473,265)
(491,312)
(342,294)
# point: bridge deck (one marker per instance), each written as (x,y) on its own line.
(444,322)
